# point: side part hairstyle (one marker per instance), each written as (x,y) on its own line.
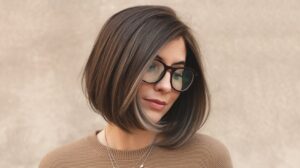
(126,45)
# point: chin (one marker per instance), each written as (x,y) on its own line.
(154,116)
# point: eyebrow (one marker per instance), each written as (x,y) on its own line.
(176,63)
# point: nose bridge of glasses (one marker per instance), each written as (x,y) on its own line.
(167,69)
(164,79)
(170,70)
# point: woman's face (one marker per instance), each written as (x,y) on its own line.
(156,99)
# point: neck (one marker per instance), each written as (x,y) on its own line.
(121,140)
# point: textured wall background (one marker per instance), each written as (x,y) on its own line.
(252,59)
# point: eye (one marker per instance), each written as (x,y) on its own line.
(177,76)
(152,67)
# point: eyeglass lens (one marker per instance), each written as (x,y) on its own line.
(181,78)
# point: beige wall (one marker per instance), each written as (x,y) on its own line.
(252,59)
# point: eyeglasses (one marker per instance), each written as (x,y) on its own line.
(181,78)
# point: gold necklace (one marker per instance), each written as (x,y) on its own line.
(114,162)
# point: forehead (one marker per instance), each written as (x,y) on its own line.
(173,51)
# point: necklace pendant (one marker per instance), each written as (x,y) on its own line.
(142,166)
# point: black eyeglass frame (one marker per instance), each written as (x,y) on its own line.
(173,69)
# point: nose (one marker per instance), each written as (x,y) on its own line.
(164,85)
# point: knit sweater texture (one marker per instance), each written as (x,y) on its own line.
(202,151)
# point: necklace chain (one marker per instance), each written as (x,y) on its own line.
(114,162)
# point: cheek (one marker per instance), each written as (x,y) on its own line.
(174,96)
(143,89)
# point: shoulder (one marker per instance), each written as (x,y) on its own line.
(67,153)
(211,151)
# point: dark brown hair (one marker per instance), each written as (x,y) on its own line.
(127,43)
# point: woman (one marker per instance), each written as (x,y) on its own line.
(144,76)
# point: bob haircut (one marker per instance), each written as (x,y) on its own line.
(126,45)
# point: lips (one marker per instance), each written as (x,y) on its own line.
(156,101)
(155,104)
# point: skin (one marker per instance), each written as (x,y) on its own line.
(171,53)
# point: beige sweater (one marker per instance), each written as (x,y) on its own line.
(201,151)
